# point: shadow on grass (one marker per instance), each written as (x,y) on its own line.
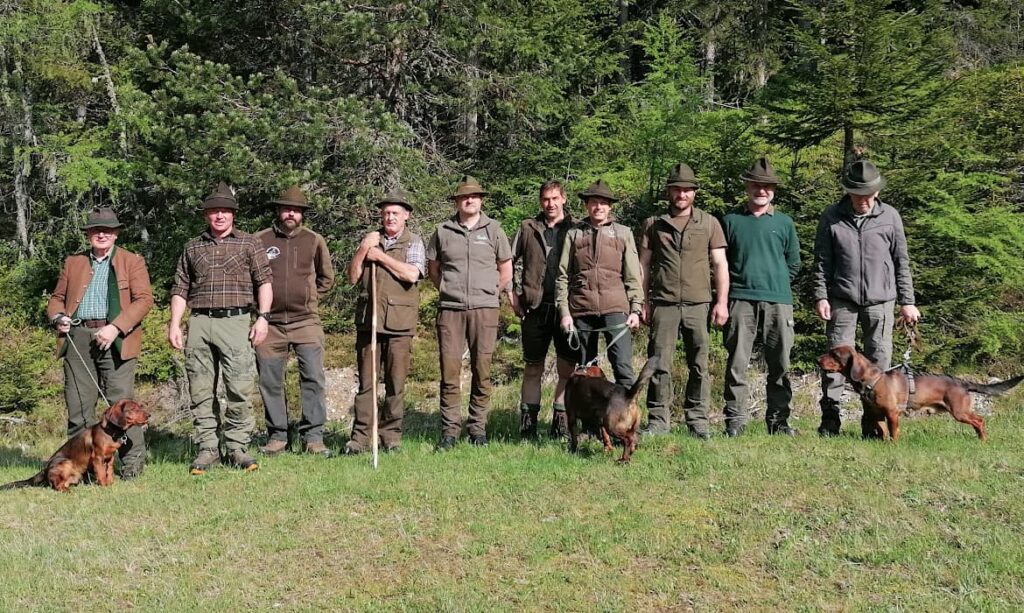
(14,457)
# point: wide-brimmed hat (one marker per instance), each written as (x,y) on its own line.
(862,178)
(681,175)
(396,196)
(292,197)
(468,186)
(223,197)
(102,217)
(598,189)
(761,171)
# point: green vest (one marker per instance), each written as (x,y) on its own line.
(398,302)
(468,258)
(680,261)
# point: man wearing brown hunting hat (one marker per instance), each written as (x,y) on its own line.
(302,275)
(861,272)
(600,286)
(400,258)
(679,250)
(97,308)
(469,259)
(764,257)
(218,274)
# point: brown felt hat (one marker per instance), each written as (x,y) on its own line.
(396,196)
(102,217)
(862,178)
(293,197)
(598,189)
(223,197)
(468,186)
(761,171)
(681,175)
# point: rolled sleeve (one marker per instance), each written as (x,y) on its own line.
(416,255)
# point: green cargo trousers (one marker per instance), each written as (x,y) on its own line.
(85,364)
(477,328)
(667,322)
(219,347)
(774,323)
(876,323)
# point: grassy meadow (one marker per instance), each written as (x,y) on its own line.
(934,522)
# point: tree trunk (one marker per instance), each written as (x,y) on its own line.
(122,138)
(470,116)
(849,155)
(710,54)
(625,67)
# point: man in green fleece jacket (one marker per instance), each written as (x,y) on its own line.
(764,257)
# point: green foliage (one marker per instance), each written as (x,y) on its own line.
(26,366)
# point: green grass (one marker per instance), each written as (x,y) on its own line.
(934,522)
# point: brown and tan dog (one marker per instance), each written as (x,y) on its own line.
(91,450)
(887,394)
(605,406)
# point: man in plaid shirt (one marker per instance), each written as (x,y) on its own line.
(218,275)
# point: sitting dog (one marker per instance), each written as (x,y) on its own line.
(91,450)
(887,394)
(605,407)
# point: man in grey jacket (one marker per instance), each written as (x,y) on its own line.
(861,271)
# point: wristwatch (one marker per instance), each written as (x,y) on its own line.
(264,315)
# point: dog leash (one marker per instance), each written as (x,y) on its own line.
(76,322)
(576,344)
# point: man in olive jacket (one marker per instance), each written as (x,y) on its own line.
(861,271)
(400,258)
(302,274)
(100,300)
(469,259)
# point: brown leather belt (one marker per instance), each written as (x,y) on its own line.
(219,313)
(93,323)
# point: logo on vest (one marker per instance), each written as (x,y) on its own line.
(272,253)
(610,231)
(480,238)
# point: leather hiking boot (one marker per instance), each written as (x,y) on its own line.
(653,430)
(353,448)
(781,430)
(446,443)
(478,441)
(828,430)
(131,471)
(559,425)
(274,447)
(392,448)
(204,460)
(697,433)
(240,458)
(528,422)
(735,430)
(318,448)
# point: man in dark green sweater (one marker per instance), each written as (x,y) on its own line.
(764,257)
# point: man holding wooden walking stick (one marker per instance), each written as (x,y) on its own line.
(396,258)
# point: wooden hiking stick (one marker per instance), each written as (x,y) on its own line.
(373,360)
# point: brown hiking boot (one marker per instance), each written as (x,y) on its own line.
(203,461)
(273,447)
(559,425)
(528,421)
(318,448)
(240,458)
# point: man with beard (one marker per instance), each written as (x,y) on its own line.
(678,252)
(303,274)
(764,258)
(469,259)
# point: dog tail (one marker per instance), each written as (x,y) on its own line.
(645,375)
(37,479)
(994,389)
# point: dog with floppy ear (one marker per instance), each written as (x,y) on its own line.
(91,450)
(887,394)
(605,406)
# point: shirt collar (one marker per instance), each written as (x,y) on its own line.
(770,212)
(106,258)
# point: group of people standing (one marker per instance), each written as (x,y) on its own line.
(254,299)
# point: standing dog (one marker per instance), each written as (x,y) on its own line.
(609,407)
(887,394)
(91,450)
